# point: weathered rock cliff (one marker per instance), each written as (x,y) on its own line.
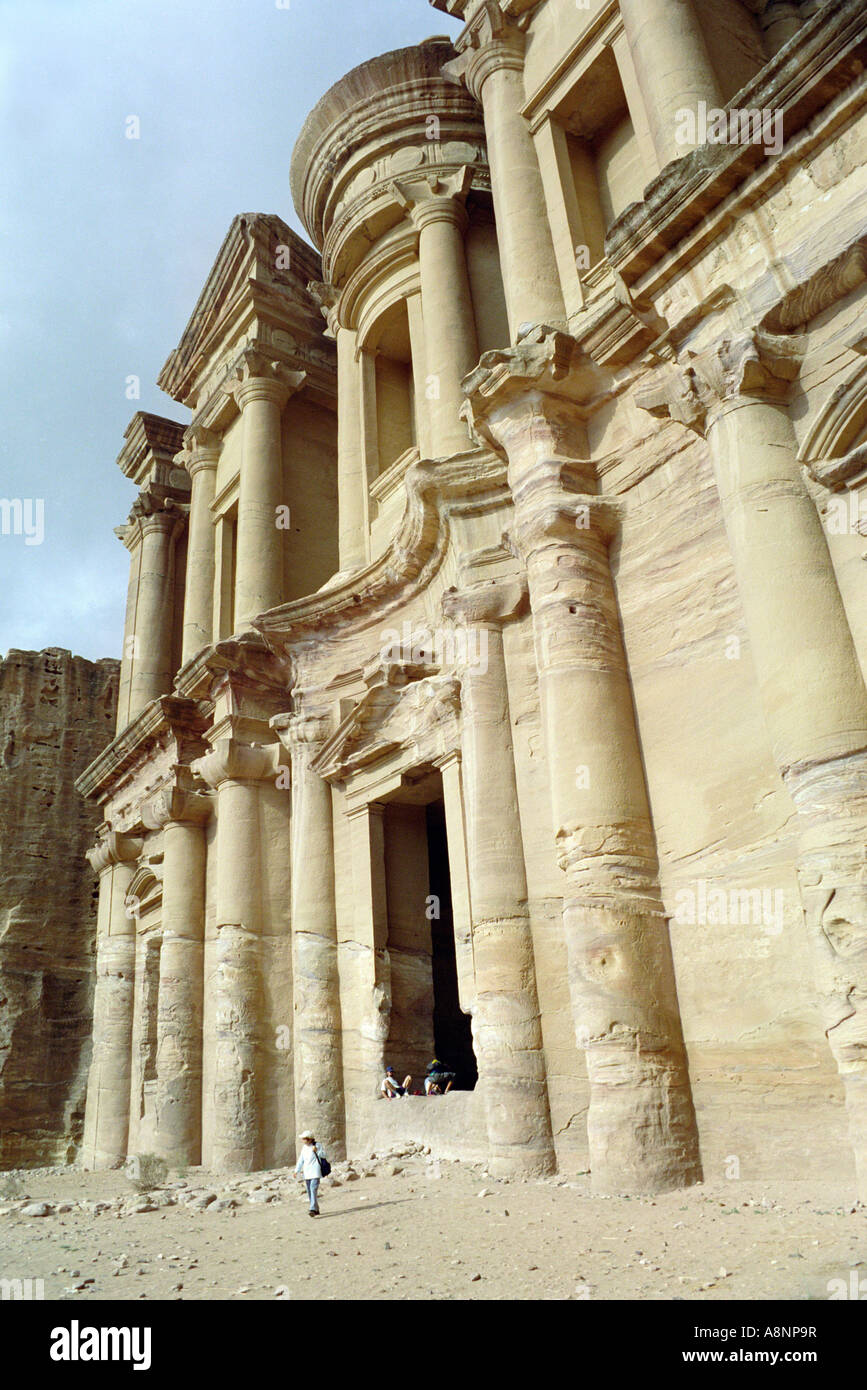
(56,713)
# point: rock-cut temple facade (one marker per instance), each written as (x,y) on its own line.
(493,679)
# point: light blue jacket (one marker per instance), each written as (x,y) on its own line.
(308,1165)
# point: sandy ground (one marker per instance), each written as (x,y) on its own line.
(430,1229)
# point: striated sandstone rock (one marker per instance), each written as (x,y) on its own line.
(56,711)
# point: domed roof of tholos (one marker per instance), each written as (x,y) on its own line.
(418,67)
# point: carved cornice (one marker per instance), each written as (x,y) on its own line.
(413,556)
(826,287)
(181,719)
(680,206)
(836,474)
(370,127)
(244,661)
(518,8)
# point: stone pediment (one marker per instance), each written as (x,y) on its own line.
(257,288)
(148,455)
(143,760)
(406,706)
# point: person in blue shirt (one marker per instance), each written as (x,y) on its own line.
(309,1167)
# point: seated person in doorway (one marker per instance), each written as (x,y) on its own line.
(438,1080)
(390,1088)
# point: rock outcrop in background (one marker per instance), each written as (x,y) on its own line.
(57,711)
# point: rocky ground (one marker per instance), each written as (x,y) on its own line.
(405,1225)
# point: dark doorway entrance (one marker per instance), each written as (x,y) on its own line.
(453,1039)
(425,1017)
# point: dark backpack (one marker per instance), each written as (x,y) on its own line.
(324,1165)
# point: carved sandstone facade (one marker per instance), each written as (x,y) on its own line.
(494,668)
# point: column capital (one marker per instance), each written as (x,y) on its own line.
(492,40)
(254,377)
(327,296)
(486,605)
(232,761)
(112,847)
(702,386)
(548,374)
(305,730)
(201,449)
(149,516)
(176,803)
(436,200)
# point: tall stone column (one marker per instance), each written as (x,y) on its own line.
(234,769)
(415,316)
(451,345)
(672,64)
(373,973)
(351,462)
(317,1040)
(178,1122)
(261,389)
(131,536)
(151,671)
(106,1121)
(641,1123)
(200,457)
(351,470)
(506,1022)
(810,680)
(491,63)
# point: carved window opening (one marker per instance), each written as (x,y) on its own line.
(600,160)
(426,1018)
(227,553)
(396,427)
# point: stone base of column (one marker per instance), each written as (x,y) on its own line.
(641,1125)
(511,1063)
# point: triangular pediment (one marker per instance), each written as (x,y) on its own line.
(257,285)
(405,704)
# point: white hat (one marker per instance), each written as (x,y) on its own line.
(307,1134)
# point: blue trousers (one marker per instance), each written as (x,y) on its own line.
(312,1185)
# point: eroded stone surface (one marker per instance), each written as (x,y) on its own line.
(55,713)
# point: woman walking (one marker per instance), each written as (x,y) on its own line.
(311,1166)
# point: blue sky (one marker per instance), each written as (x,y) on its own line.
(105,243)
